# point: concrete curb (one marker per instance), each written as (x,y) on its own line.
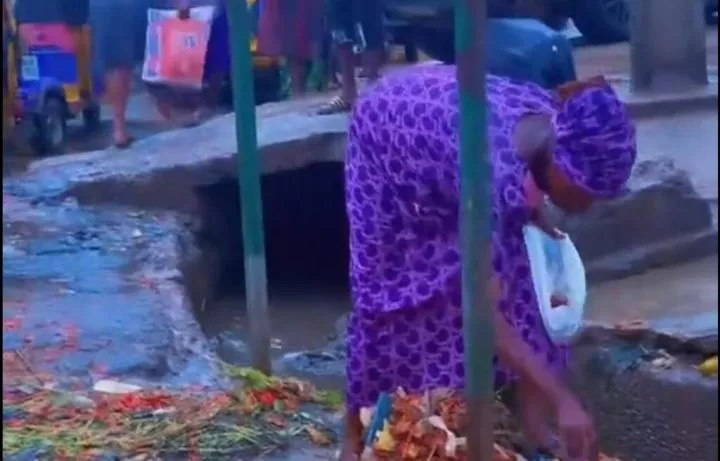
(653,103)
(645,412)
(701,342)
(646,107)
(662,254)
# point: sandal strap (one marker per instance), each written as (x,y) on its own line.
(336,105)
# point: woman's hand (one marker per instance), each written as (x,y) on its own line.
(183,9)
(575,429)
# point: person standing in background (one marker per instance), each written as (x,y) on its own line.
(291,29)
(355,23)
(177,104)
(112,24)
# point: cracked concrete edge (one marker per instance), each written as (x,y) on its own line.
(161,268)
(278,133)
(645,108)
(662,254)
(180,180)
(647,412)
(702,342)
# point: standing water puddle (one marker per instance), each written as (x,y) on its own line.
(301,320)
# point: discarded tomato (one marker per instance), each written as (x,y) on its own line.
(266,398)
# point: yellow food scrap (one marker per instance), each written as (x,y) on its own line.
(709,367)
(384,440)
(318,437)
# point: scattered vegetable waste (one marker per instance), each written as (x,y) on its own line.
(262,414)
(709,367)
(431,427)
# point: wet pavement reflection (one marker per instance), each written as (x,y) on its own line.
(84,294)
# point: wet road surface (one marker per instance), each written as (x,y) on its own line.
(86,294)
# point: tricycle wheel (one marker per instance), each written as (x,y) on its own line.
(91,117)
(51,127)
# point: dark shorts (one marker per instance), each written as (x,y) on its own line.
(359,22)
(116,26)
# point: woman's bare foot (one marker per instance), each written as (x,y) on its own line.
(352,443)
(347,453)
(165,111)
(122,140)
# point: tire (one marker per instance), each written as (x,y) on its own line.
(603,21)
(91,117)
(51,127)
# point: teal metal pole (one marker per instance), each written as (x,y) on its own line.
(475,178)
(249,183)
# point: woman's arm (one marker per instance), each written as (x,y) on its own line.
(517,355)
(575,427)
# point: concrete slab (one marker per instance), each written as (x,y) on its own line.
(690,140)
(615,59)
(163,171)
(644,411)
(651,103)
(680,300)
(93,293)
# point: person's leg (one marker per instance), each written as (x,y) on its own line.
(359,391)
(346,62)
(352,445)
(114,46)
(342,28)
(370,16)
(118,82)
(298,75)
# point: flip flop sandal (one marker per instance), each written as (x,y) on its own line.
(124,144)
(193,121)
(336,105)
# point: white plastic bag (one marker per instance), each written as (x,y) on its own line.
(175,49)
(556,268)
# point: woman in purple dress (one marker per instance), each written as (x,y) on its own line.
(577,144)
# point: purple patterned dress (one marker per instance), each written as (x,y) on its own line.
(402,187)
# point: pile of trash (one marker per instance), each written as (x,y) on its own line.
(41,421)
(430,427)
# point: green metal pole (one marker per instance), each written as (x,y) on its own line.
(475,178)
(249,183)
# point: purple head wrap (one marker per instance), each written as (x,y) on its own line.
(595,141)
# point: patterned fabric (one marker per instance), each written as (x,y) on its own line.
(402,186)
(290,28)
(596,141)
